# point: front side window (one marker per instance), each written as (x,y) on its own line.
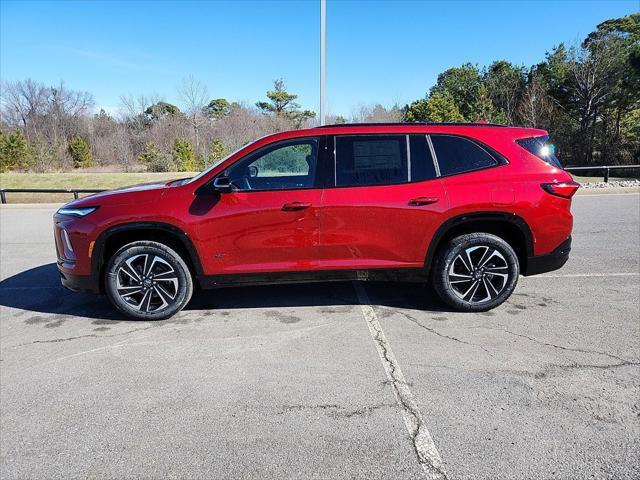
(288,165)
(371,160)
(459,154)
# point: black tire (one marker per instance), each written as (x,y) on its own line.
(162,292)
(485,259)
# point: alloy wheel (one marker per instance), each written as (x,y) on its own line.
(147,282)
(478,274)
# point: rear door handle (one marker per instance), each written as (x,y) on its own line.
(295,206)
(419,201)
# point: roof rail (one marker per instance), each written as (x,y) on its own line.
(392,124)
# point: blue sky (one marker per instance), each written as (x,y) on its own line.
(386,51)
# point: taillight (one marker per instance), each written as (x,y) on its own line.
(561,189)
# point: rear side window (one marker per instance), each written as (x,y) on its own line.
(459,155)
(541,148)
(371,160)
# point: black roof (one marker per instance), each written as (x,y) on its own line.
(392,124)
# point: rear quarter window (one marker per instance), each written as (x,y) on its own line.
(541,148)
(460,155)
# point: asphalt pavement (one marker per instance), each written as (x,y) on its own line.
(342,380)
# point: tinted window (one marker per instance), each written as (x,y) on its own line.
(458,154)
(422,167)
(541,148)
(284,166)
(371,160)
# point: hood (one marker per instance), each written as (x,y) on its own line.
(139,194)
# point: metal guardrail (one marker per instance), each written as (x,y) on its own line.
(606,168)
(75,192)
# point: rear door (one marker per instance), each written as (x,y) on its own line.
(382,204)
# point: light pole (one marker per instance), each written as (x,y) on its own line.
(323,59)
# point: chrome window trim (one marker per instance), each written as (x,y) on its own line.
(408,160)
(433,156)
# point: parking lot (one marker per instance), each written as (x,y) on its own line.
(342,380)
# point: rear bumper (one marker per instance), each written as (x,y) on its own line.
(79,283)
(549,262)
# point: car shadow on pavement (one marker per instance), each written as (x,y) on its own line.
(39,290)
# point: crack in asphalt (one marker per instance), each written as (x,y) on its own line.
(91,335)
(336,411)
(623,361)
(434,331)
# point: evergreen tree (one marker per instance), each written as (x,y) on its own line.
(281,104)
(80,153)
(217,108)
(217,151)
(155,160)
(439,107)
(462,85)
(14,151)
(183,156)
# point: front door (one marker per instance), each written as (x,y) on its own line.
(270,223)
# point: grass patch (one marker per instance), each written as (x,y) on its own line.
(74,180)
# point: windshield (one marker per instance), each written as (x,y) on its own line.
(216,163)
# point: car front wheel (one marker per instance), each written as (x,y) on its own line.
(475,272)
(148,281)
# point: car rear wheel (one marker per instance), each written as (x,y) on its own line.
(148,281)
(475,272)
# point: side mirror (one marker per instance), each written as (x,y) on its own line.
(222,184)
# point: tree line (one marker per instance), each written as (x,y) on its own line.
(587,96)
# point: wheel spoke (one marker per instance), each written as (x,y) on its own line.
(490,288)
(145,299)
(162,275)
(468,253)
(494,253)
(473,289)
(487,289)
(129,270)
(131,292)
(163,295)
(482,260)
(503,275)
(473,285)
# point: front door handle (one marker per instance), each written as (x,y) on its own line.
(295,206)
(420,201)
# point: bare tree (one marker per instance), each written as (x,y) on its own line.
(535,106)
(194,97)
(376,114)
(591,70)
(22,102)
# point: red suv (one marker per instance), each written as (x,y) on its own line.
(468,207)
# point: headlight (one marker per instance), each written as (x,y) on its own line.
(76,212)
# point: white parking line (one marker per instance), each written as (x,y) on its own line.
(587,195)
(423,444)
(582,275)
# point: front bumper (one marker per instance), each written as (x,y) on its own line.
(549,262)
(79,283)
